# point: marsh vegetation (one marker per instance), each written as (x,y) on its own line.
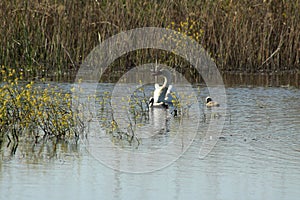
(51,38)
(36,112)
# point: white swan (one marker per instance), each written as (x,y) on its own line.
(162,94)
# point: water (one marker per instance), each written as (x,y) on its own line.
(257,157)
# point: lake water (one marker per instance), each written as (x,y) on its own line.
(256,157)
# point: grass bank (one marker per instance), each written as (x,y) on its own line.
(50,38)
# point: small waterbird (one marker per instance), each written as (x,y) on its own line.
(211,103)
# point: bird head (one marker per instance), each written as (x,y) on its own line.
(151,102)
(208,99)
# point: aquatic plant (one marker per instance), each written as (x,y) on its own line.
(134,111)
(182,103)
(35,111)
(137,114)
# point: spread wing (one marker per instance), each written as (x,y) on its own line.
(168,96)
(162,94)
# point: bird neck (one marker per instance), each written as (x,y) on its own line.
(167,80)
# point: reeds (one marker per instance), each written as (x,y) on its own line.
(50,38)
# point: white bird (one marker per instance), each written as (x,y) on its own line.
(162,94)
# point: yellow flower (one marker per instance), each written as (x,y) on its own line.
(28,86)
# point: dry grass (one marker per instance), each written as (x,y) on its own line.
(50,38)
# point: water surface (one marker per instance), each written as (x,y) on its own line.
(257,157)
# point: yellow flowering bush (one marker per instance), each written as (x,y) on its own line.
(35,110)
(188,28)
(181,34)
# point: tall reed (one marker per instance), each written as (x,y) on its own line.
(50,38)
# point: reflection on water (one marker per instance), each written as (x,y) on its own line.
(257,157)
(277,79)
(31,152)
